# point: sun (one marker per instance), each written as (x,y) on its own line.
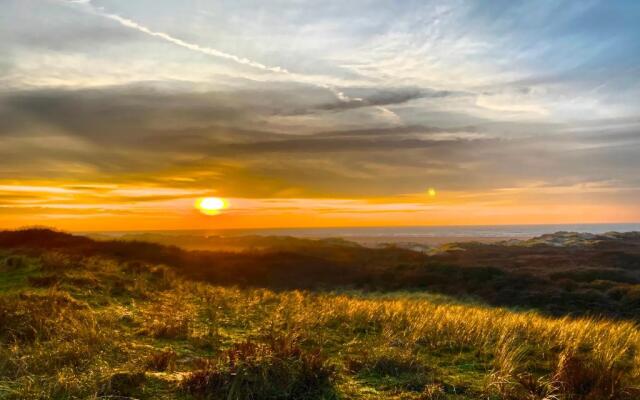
(211,205)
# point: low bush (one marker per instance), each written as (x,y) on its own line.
(14,262)
(582,376)
(255,371)
(28,317)
(43,281)
(122,384)
(161,361)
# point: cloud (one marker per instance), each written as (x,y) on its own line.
(367,97)
(30,26)
(328,100)
(145,135)
(190,46)
(280,71)
(209,51)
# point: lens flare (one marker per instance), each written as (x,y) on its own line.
(211,205)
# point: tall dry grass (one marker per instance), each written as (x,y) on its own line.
(108,329)
(532,356)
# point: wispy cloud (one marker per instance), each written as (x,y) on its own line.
(209,51)
(191,46)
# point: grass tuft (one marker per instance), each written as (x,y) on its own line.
(164,360)
(277,370)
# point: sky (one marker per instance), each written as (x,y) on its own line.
(119,114)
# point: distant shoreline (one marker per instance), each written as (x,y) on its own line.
(370,241)
(405,236)
(499,231)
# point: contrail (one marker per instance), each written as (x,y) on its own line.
(217,53)
(204,50)
(128,23)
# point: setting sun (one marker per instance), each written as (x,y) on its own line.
(211,205)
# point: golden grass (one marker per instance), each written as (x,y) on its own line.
(161,337)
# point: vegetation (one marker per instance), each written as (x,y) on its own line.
(92,324)
(559,274)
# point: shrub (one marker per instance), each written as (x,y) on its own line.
(278,370)
(405,367)
(582,375)
(27,317)
(43,281)
(56,262)
(162,360)
(390,362)
(14,262)
(135,267)
(176,326)
(123,384)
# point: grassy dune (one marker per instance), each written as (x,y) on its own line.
(97,328)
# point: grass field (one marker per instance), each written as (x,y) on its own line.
(96,328)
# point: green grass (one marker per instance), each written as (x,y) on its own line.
(91,327)
(15,270)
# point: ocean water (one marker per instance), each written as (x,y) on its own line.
(489,231)
(411,234)
(417,234)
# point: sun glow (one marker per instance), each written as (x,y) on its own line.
(211,205)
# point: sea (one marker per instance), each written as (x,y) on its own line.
(505,231)
(415,234)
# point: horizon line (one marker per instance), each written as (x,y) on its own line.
(363,227)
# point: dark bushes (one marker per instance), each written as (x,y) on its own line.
(162,360)
(123,384)
(583,377)
(254,371)
(575,280)
(14,262)
(43,281)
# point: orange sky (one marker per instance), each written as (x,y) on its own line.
(101,208)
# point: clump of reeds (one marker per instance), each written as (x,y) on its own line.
(164,360)
(30,316)
(280,369)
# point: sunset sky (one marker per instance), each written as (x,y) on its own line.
(120,114)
